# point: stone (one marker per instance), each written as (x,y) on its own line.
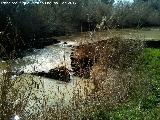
(58,73)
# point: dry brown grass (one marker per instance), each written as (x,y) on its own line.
(113,61)
(109,70)
(114,53)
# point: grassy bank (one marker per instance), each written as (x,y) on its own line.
(144,103)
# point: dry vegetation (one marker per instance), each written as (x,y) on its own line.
(108,64)
(110,70)
(116,53)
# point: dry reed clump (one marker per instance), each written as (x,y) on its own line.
(110,72)
(115,86)
(98,75)
(114,53)
(112,90)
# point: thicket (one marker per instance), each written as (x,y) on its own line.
(23,25)
(141,13)
(31,20)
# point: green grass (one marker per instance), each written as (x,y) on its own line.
(128,112)
(145,99)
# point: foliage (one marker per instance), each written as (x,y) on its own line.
(138,14)
(70,18)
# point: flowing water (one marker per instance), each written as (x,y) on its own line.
(44,59)
(36,92)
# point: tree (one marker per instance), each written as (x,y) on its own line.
(20,24)
(108,1)
(69,18)
(140,13)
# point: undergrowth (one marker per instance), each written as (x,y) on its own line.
(144,102)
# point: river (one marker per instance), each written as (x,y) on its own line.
(35,92)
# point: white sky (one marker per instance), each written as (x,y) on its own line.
(124,0)
(115,0)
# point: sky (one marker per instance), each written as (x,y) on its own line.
(115,0)
(124,0)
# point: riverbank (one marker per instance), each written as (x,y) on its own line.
(145,100)
(37,95)
(19,49)
(142,33)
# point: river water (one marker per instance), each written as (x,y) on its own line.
(36,92)
(44,59)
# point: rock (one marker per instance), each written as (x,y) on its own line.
(16,73)
(65,43)
(58,73)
